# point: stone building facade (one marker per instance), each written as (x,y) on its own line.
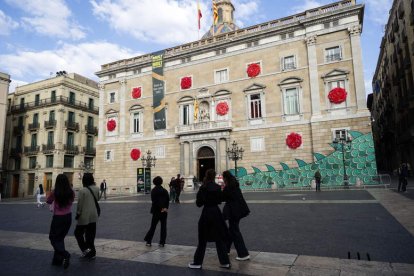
(51,129)
(255,86)
(4,91)
(393,86)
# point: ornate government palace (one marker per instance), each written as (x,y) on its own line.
(283,90)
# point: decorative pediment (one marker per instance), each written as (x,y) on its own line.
(136,107)
(185,99)
(255,86)
(335,73)
(111,111)
(222,92)
(290,80)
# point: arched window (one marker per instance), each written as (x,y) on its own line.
(220,15)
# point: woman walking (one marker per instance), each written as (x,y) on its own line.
(87,216)
(235,209)
(159,210)
(211,225)
(172,189)
(61,199)
(39,194)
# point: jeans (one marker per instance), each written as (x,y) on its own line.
(85,236)
(59,228)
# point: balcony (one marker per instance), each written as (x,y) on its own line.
(71,149)
(91,130)
(334,57)
(48,148)
(54,101)
(32,150)
(16,152)
(33,126)
(72,126)
(203,127)
(89,151)
(50,124)
(17,130)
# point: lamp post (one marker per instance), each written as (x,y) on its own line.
(147,162)
(86,168)
(344,143)
(235,153)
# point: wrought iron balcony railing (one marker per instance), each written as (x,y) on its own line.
(91,130)
(72,125)
(34,126)
(50,124)
(32,150)
(18,130)
(203,127)
(48,148)
(71,149)
(89,151)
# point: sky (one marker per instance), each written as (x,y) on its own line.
(40,37)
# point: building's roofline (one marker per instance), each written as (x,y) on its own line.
(285,22)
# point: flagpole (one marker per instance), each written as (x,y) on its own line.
(198,20)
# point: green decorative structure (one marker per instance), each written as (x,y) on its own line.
(360,164)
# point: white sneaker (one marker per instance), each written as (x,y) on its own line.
(228,266)
(243,258)
(84,253)
(194,266)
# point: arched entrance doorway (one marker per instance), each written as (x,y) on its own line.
(205,161)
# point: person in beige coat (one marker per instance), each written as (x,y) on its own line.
(87,215)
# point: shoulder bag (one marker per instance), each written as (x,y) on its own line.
(98,209)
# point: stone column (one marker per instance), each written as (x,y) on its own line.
(122,93)
(4,90)
(191,159)
(182,158)
(218,157)
(227,158)
(355,35)
(101,122)
(313,75)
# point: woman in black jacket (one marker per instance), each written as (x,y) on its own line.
(159,210)
(235,209)
(211,225)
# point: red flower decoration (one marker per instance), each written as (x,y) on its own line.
(135,154)
(222,108)
(111,125)
(294,140)
(337,95)
(186,82)
(136,92)
(253,70)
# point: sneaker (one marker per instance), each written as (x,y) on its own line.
(228,266)
(84,253)
(148,244)
(243,258)
(66,262)
(194,266)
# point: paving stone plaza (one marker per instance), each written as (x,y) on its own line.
(287,233)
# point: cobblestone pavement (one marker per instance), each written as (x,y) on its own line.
(289,233)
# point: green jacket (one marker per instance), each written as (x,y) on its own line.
(86,209)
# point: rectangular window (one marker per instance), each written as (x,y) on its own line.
(17,163)
(90,104)
(37,99)
(89,142)
(159,151)
(33,143)
(333,54)
(19,140)
(136,125)
(51,116)
(221,76)
(338,83)
(289,63)
(35,118)
(70,139)
(291,101)
(255,106)
(186,114)
(49,161)
(112,97)
(53,96)
(21,103)
(68,161)
(20,122)
(90,122)
(71,117)
(72,98)
(32,162)
(50,138)
(108,155)
(340,134)
(88,162)
(257,144)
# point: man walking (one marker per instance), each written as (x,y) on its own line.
(318,180)
(103,189)
(178,185)
(402,178)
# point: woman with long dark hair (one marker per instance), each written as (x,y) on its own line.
(211,225)
(61,199)
(87,216)
(235,209)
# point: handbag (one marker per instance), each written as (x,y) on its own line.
(98,209)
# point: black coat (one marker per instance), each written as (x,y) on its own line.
(211,225)
(160,199)
(235,207)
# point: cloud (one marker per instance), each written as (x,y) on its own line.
(245,9)
(84,59)
(307,5)
(50,18)
(6,24)
(378,10)
(15,83)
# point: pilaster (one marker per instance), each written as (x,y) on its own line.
(313,75)
(101,112)
(121,121)
(218,157)
(182,158)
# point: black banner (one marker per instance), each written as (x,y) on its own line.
(158,89)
